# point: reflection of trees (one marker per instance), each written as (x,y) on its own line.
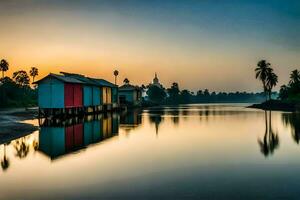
(155,116)
(156,119)
(21,147)
(35,145)
(175,116)
(270,141)
(293,120)
(5,161)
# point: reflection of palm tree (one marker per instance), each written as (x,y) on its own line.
(293,119)
(5,160)
(21,147)
(271,139)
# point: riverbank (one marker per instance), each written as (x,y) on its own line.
(12,124)
(277,105)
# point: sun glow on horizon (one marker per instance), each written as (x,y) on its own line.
(190,48)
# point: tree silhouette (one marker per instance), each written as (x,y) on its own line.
(156,94)
(116,73)
(33,72)
(283,93)
(292,90)
(261,72)
(174,93)
(126,81)
(21,78)
(271,82)
(206,92)
(295,77)
(3,66)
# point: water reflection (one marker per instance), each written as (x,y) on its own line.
(270,141)
(5,160)
(190,155)
(58,138)
(293,120)
(130,120)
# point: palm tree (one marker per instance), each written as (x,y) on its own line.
(33,72)
(126,81)
(271,82)
(21,78)
(3,66)
(116,73)
(295,77)
(261,72)
(284,92)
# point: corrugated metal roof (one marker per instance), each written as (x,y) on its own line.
(103,82)
(61,78)
(80,78)
(127,87)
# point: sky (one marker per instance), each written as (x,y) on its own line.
(200,44)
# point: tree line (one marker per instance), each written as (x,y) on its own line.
(291,91)
(16,91)
(263,72)
(173,95)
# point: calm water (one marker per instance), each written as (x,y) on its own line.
(196,151)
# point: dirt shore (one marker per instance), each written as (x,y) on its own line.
(12,124)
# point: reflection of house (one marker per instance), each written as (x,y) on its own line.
(130,120)
(130,94)
(56,140)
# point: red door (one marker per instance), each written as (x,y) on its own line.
(69,95)
(78,95)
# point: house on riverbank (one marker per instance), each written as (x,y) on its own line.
(73,94)
(130,95)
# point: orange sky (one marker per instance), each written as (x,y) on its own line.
(95,41)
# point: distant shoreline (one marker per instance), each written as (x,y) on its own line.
(277,105)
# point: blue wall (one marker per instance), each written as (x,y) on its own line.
(51,94)
(96,96)
(87,96)
(115,95)
(44,92)
(129,96)
(58,95)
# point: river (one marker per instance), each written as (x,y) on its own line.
(213,151)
